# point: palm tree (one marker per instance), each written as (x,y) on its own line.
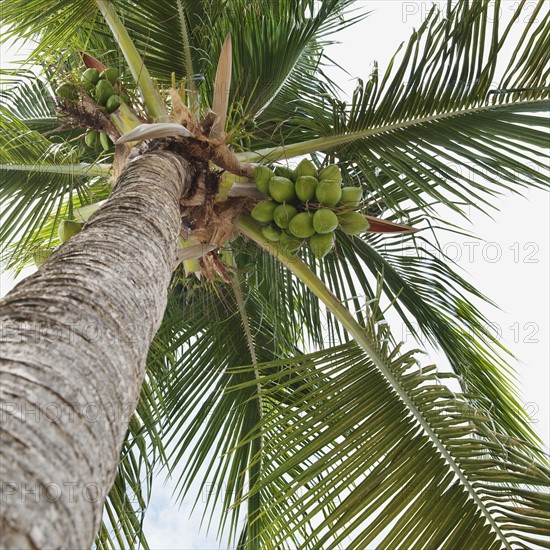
(272,378)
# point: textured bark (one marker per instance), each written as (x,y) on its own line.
(74,340)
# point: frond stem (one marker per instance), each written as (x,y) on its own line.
(258,442)
(79,169)
(328,142)
(249,340)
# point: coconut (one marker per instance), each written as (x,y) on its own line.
(285,172)
(283,214)
(91,138)
(110,74)
(103,91)
(281,189)
(328,192)
(263,211)
(89,78)
(301,225)
(332,173)
(289,243)
(271,232)
(68,229)
(305,168)
(351,196)
(305,188)
(66,91)
(113,103)
(40,255)
(353,222)
(324,221)
(262,175)
(105,141)
(321,245)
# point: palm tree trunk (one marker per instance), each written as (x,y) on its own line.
(75,337)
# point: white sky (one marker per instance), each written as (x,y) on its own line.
(511,265)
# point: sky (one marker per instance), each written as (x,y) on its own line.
(510,263)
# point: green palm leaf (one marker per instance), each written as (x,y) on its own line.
(28,98)
(39,176)
(435,303)
(408,134)
(201,423)
(128,498)
(51,26)
(274,51)
(384,493)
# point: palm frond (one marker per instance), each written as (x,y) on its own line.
(46,169)
(192,390)
(432,126)
(353,441)
(272,43)
(328,427)
(281,296)
(39,176)
(28,98)
(437,307)
(434,303)
(222,85)
(333,447)
(49,25)
(202,423)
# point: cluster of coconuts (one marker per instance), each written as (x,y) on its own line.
(306,205)
(66,230)
(104,87)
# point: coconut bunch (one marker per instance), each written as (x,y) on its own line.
(307,205)
(104,87)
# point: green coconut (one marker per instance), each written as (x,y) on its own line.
(353,222)
(110,74)
(66,91)
(91,138)
(332,173)
(89,78)
(281,189)
(321,245)
(271,232)
(68,229)
(305,188)
(285,172)
(301,225)
(262,175)
(328,192)
(305,168)
(263,211)
(351,196)
(103,91)
(289,243)
(283,214)
(40,255)
(324,221)
(113,103)
(105,141)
